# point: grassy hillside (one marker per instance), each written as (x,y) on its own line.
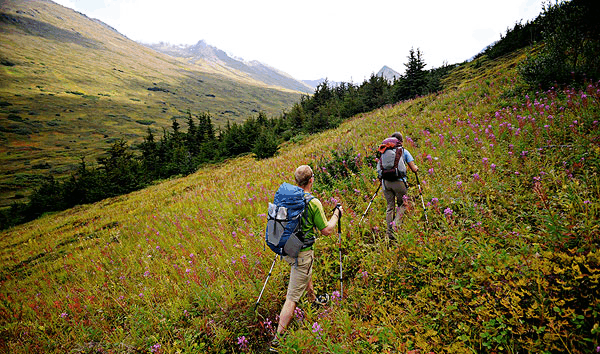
(70,85)
(507,262)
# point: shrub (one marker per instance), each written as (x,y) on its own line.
(571,43)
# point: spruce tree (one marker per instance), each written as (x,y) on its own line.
(416,76)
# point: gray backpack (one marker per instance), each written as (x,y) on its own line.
(392,166)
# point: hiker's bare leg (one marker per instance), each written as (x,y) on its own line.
(310,291)
(287,311)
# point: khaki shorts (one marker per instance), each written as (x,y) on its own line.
(300,274)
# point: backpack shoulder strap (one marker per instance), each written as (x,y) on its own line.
(399,153)
(307,198)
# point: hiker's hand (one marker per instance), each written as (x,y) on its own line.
(340,210)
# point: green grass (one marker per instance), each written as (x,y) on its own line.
(71,89)
(508,261)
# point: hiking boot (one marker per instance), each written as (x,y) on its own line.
(321,300)
(274,346)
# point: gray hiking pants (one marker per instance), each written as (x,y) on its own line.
(393,192)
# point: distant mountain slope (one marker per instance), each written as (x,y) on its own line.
(315,83)
(70,85)
(385,72)
(388,73)
(254,69)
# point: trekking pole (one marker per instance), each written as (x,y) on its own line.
(340,248)
(263,288)
(369,206)
(422,202)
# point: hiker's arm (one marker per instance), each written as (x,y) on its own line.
(330,228)
(413,167)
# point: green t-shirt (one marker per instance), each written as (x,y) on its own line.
(314,218)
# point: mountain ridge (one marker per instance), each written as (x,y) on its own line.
(254,69)
(72,85)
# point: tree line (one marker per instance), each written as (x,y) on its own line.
(177,152)
(570,33)
(569,30)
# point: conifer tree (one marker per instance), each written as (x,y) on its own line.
(415,78)
(266,144)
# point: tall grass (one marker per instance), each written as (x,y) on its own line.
(508,261)
(56,109)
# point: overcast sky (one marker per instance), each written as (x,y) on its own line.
(310,39)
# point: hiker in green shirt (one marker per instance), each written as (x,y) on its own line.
(301,268)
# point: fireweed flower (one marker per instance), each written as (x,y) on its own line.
(335,296)
(242,343)
(459,184)
(448,212)
(316,328)
(269,324)
(299,314)
(155,348)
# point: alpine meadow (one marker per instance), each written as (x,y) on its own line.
(499,256)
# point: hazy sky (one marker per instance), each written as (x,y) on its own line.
(342,40)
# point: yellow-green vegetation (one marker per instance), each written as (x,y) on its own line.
(71,85)
(507,260)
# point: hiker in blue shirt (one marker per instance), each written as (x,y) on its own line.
(301,268)
(395,188)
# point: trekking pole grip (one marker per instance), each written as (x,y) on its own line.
(339,217)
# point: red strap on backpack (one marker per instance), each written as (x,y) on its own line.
(399,152)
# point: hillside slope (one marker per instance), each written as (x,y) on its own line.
(506,261)
(70,85)
(202,52)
